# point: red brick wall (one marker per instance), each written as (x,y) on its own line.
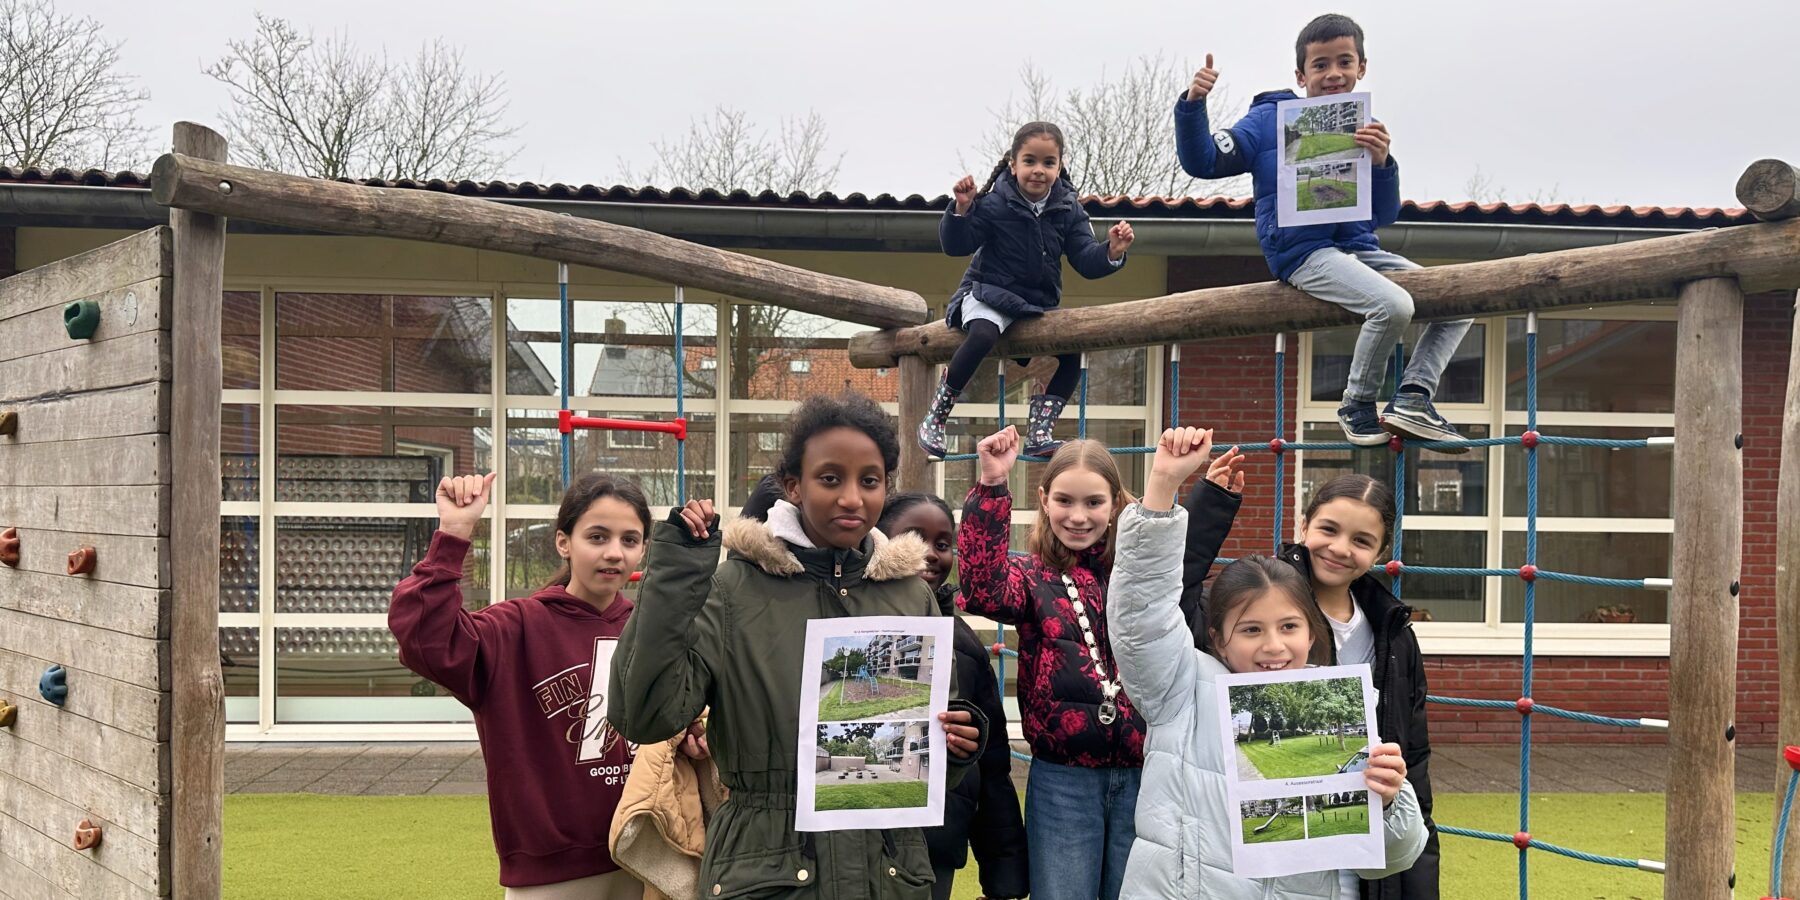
(1229,385)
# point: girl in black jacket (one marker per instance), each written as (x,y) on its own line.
(983,810)
(1019,227)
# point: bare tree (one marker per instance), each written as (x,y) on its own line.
(726,152)
(1482,188)
(63,100)
(327,109)
(1121,130)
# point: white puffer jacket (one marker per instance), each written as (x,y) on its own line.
(1184,819)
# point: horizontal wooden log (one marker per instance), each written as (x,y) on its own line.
(1763,257)
(339,208)
(134,660)
(132,309)
(136,611)
(138,510)
(141,562)
(147,254)
(126,854)
(140,459)
(131,709)
(1770,190)
(77,872)
(114,412)
(84,366)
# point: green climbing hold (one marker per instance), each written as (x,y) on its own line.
(81,319)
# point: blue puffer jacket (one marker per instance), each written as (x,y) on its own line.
(1252,145)
(1017,267)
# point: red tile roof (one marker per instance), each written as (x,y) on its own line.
(1143,207)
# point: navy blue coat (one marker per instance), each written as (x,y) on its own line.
(1017,267)
(1252,145)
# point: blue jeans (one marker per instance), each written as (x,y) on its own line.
(1353,281)
(1080,824)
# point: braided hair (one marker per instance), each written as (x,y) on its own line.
(1026,133)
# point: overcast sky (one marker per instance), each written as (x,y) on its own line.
(1646,103)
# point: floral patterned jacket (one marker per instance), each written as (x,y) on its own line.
(1059,690)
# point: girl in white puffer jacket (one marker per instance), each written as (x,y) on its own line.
(1260,617)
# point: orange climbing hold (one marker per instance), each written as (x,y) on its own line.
(82,559)
(87,835)
(9,547)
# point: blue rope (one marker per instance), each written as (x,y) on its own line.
(1399,472)
(1174,385)
(1535,844)
(1280,431)
(1081,412)
(1531,535)
(567,312)
(680,403)
(1536,708)
(1781,827)
(1593,580)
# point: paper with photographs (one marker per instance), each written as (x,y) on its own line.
(869,703)
(1296,743)
(1323,176)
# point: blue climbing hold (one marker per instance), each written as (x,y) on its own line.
(54,685)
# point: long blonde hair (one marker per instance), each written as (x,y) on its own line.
(1082,454)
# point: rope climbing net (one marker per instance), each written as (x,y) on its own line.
(1529,573)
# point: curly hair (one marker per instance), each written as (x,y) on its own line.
(898,504)
(850,409)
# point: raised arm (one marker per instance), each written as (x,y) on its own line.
(963,229)
(991,585)
(663,669)
(1202,153)
(438,638)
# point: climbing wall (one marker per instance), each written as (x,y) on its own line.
(85,575)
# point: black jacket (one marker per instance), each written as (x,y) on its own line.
(1017,267)
(1398,669)
(982,812)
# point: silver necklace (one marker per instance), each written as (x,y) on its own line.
(1109,709)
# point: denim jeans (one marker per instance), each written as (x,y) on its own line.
(1353,281)
(1080,823)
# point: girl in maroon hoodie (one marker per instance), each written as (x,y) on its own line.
(534,673)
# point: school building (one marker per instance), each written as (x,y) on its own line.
(359,370)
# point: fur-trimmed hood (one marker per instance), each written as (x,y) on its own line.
(759,543)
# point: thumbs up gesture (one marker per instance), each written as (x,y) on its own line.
(1203,80)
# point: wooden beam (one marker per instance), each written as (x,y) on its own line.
(1762,257)
(1787,602)
(196,683)
(183,182)
(1709,504)
(1770,190)
(918,381)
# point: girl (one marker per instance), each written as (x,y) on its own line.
(983,810)
(533,671)
(1344,529)
(1025,219)
(731,636)
(1087,740)
(1260,617)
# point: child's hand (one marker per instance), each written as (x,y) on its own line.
(998,452)
(1374,138)
(1203,81)
(1179,453)
(960,738)
(693,742)
(1228,471)
(1386,772)
(460,500)
(1118,240)
(697,515)
(965,194)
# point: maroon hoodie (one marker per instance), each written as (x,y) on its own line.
(534,672)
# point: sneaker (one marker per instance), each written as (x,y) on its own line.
(1361,426)
(1412,416)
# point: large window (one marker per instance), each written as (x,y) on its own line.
(1601,512)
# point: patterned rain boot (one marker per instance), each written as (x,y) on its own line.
(931,430)
(1040,439)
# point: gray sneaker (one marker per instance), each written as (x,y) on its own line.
(1361,426)
(1412,416)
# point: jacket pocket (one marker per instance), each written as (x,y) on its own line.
(763,873)
(907,875)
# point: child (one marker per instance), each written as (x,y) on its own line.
(1259,618)
(1087,741)
(1338,263)
(731,636)
(532,671)
(1344,529)
(983,811)
(1026,218)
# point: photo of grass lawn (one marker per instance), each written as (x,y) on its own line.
(1270,821)
(1328,186)
(1329,814)
(1297,729)
(1322,131)
(884,676)
(872,765)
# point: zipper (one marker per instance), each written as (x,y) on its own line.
(837,578)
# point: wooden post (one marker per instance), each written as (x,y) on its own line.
(185,182)
(1770,190)
(198,719)
(1787,603)
(1703,626)
(917,385)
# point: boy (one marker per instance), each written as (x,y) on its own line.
(1338,263)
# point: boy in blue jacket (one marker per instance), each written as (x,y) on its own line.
(1338,263)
